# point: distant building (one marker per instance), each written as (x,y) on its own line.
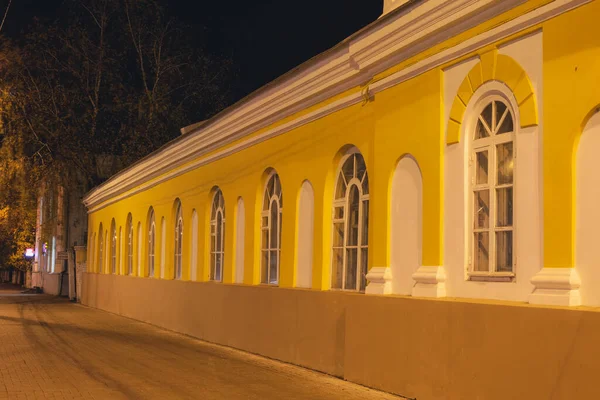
(61,229)
(396,211)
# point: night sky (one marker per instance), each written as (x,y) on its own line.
(264,38)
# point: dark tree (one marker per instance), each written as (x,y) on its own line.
(103,85)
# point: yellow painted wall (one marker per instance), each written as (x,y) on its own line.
(405,119)
(571,93)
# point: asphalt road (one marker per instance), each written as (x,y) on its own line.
(50,348)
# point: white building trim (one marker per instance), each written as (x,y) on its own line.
(396,37)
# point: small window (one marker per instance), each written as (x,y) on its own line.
(129,230)
(113,247)
(351,225)
(100,249)
(178,238)
(151,241)
(271,231)
(492,178)
(217,236)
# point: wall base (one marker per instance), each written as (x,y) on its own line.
(556,287)
(429,345)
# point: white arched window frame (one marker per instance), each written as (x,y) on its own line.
(491,176)
(100,249)
(178,239)
(271,230)
(151,242)
(129,255)
(217,236)
(113,247)
(350,250)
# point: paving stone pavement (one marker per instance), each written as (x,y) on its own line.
(53,349)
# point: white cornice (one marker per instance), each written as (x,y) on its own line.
(388,41)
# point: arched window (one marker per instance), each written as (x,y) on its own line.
(113,247)
(271,230)
(217,236)
(151,241)
(351,224)
(129,230)
(178,238)
(100,249)
(491,169)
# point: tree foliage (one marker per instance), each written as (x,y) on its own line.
(91,92)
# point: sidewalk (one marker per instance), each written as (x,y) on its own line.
(51,348)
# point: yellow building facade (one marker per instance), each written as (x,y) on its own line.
(429,180)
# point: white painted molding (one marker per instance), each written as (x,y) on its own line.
(384,43)
(380,281)
(556,287)
(429,282)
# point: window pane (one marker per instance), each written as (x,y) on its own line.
(340,190)
(361,168)
(219,237)
(364,257)
(480,131)
(348,168)
(351,268)
(338,213)
(481,256)
(274,226)
(213,245)
(273,264)
(353,206)
(338,234)
(500,110)
(486,114)
(277,185)
(337,268)
(364,241)
(504,156)
(271,186)
(264,267)
(504,200)
(265,222)
(481,167)
(504,251)
(365,184)
(218,267)
(213,266)
(506,125)
(266,202)
(482,209)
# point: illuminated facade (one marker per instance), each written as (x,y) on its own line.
(447,151)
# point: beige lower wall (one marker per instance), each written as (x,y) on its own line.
(427,349)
